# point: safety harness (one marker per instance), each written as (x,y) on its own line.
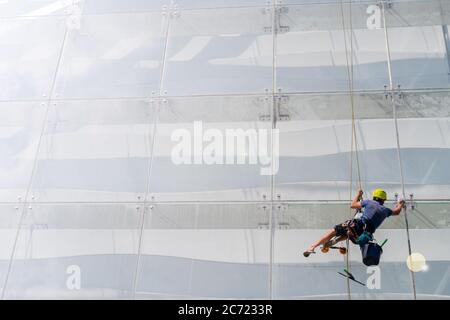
(352,230)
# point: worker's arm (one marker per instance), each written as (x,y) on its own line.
(398,208)
(356,204)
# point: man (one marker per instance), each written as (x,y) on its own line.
(359,229)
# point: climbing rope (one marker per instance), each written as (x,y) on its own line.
(354,141)
(350,75)
(397,136)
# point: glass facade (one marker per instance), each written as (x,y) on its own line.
(93,206)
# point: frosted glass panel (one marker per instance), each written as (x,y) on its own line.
(95,151)
(327,1)
(195,4)
(76,252)
(34,8)
(9,223)
(20,129)
(419,43)
(205,251)
(311,49)
(424,139)
(195,167)
(315,146)
(137,144)
(115,6)
(409,13)
(419,57)
(116,55)
(424,105)
(297,277)
(431,225)
(219,51)
(29,51)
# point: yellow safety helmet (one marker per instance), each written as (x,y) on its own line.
(380,194)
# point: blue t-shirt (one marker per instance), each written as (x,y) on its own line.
(374,214)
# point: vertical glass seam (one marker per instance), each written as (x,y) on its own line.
(29,186)
(155,112)
(136,272)
(274,20)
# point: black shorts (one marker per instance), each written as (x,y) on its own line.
(342,229)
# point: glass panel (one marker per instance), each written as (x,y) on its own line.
(76,252)
(425,143)
(35,8)
(29,51)
(219,51)
(424,105)
(9,222)
(97,150)
(311,50)
(16,8)
(430,224)
(212,148)
(410,13)
(419,174)
(315,146)
(296,277)
(116,6)
(205,251)
(32,8)
(116,55)
(197,4)
(327,1)
(317,277)
(419,43)
(20,128)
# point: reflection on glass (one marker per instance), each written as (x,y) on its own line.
(29,52)
(297,277)
(116,55)
(430,232)
(205,251)
(316,149)
(94,95)
(95,151)
(75,252)
(190,158)
(419,43)
(219,51)
(9,224)
(20,126)
(314,54)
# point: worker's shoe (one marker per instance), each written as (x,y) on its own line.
(307,253)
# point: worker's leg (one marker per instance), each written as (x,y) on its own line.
(324,239)
(339,230)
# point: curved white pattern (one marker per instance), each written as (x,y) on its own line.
(92,90)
